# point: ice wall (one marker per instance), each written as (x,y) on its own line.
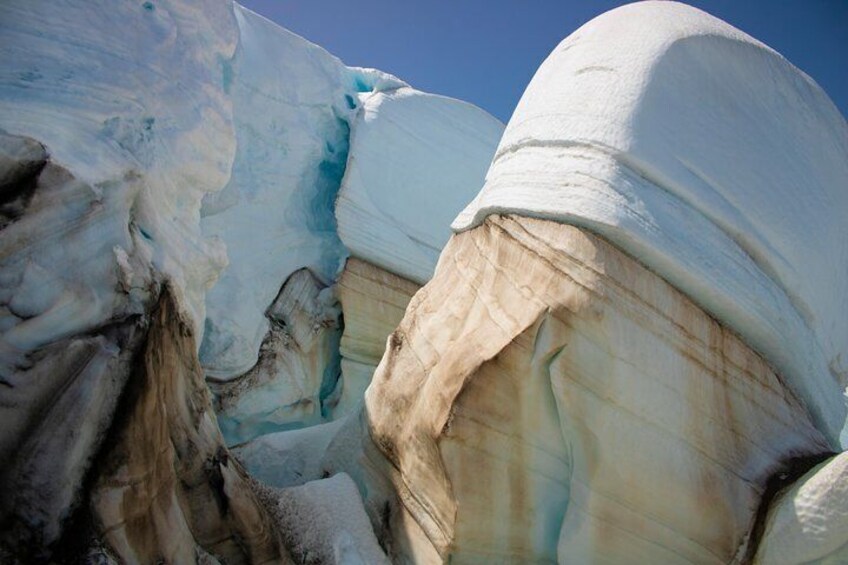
(318,141)
(708,157)
(206,145)
(275,215)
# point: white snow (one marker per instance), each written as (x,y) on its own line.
(416,160)
(326,523)
(708,157)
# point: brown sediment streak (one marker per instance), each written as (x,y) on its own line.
(166,483)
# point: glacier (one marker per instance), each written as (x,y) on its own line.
(629,346)
(409,175)
(277,119)
(275,215)
(237,322)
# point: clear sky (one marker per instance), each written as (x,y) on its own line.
(486,51)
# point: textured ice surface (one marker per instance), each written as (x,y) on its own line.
(327,523)
(708,157)
(208,144)
(138,129)
(298,368)
(416,160)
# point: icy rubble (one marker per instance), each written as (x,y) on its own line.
(708,157)
(327,523)
(808,522)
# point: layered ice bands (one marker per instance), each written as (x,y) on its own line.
(708,157)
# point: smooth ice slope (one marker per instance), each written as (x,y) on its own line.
(708,157)
(416,160)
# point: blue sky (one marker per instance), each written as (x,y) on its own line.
(486,51)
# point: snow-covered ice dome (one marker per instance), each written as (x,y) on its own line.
(710,158)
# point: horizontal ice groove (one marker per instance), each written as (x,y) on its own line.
(707,156)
